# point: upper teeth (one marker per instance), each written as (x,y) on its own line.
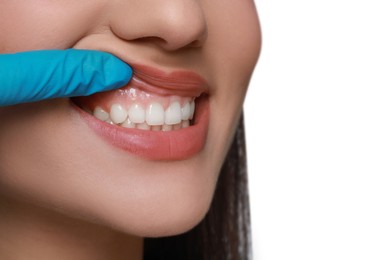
(151,117)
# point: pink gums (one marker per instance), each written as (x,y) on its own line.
(126,97)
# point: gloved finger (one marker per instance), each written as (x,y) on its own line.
(37,75)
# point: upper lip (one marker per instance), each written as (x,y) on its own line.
(178,82)
(150,78)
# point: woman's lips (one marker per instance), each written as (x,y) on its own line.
(155,145)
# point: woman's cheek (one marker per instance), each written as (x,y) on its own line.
(35,25)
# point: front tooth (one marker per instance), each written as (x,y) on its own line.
(192,109)
(100,113)
(136,114)
(173,114)
(118,114)
(186,111)
(155,114)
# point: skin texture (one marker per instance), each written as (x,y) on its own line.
(64,192)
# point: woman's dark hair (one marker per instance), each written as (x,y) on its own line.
(225,231)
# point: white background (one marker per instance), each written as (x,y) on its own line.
(318,131)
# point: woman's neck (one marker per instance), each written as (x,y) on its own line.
(29,232)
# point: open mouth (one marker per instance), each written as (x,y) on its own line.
(151,101)
(156,115)
(134,108)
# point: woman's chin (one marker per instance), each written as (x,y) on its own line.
(145,214)
(160,221)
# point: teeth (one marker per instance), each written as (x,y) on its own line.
(136,114)
(155,114)
(156,128)
(153,118)
(177,126)
(109,121)
(128,124)
(118,114)
(192,109)
(185,124)
(167,128)
(173,114)
(143,126)
(186,111)
(99,113)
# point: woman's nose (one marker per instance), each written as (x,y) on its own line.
(171,24)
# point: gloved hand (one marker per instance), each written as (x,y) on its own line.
(37,75)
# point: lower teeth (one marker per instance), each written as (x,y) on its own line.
(145,126)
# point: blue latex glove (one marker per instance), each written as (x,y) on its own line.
(37,75)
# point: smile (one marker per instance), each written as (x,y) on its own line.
(157,115)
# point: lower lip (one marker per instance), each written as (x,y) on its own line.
(156,145)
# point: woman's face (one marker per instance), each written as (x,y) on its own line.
(152,182)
